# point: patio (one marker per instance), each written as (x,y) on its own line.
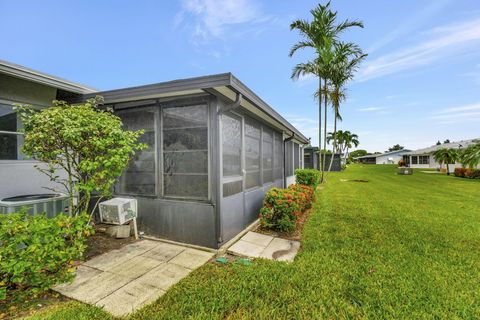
(123,280)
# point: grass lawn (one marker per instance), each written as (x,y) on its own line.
(396,247)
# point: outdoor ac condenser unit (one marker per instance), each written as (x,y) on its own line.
(118,210)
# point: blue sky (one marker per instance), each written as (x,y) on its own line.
(420,83)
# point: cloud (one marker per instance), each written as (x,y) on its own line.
(466,113)
(440,42)
(308,127)
(214,18)
(370,109)
(414,21)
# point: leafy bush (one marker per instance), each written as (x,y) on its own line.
(459,172)
(280,210)
(37,252)
(307,177)
(468,173)
(282,207)
(401,163)
(303,195)
(475,174)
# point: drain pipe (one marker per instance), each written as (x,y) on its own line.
(284,162)
(236,104)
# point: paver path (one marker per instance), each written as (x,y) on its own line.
(257,245)
(126,279)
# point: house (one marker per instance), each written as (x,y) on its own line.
(391,157)
(310,158)
(423,158)
(215,148)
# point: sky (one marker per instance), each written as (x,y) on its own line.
(419,84)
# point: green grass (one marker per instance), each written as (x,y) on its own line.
(396,247)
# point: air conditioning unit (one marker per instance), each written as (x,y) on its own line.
(118,210)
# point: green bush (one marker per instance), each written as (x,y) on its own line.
(308,177)
(37,252)
(280,211)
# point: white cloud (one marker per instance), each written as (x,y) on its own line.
(460,114)
(441,42)
(406,26)
(370,109)
(213,18)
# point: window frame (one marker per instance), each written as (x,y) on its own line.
(19,135)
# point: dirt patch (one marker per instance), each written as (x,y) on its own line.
(354,180)
(100,243)
(295,235)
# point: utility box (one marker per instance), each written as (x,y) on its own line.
(405,171)
(118,210)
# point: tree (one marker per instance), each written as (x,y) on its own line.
(357,153)
(88,144)
(347,57)
(438,143)
(447,156)
(395,148)
(346,140)
(470,156)
(446,141)
(320,35)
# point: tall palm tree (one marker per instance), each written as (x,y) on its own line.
(347,58)
(447,156)
(345,141)
(319,34)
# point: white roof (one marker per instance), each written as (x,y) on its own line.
(452,145)
(404,151)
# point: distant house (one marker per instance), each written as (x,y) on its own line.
(423,158)
(391,157)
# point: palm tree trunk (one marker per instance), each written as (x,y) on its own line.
(324,126)
(320,122)
(334,146)
(448,170)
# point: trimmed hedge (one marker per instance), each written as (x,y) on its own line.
(467,173)
(282,207)
(37,252)
(307,177)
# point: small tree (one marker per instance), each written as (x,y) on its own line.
(87,143)
(446,155)
(470,156)
(395,148)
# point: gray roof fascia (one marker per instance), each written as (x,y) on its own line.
(22,72)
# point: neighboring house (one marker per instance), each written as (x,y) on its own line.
(391,157)
(215,149)
(310,158)
(423,158)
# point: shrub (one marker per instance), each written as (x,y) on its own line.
(37,252)
(401,163)
(475,174)
(280,210)
(468,173)
(307,177)
(459,172)
(303,195)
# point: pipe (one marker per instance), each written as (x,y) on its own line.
(236,104)
(284,162)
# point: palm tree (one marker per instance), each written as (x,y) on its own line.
(346,61)
(345,141)
(319,34)
(470,157)
(447,156)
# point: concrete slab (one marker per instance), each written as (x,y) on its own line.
(164,276)
(257,238)
(98,287)
(192,258)
(135,267)
(246,249)
(82,275)
(164,252)
(129,298)
(281,250)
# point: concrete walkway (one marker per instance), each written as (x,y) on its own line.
(257,245)
(123,280)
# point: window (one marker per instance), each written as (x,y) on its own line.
(267,155)
(307,160)
(10,139)
(252,153)
(423,159)
(185,152)
(232,145)
(140,176)
(289,158)
(414,160)
(296,156)
(278,156)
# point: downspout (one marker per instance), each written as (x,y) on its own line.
(234,105)
(284,162)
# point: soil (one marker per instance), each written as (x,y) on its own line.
(295,235)
(100,243)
